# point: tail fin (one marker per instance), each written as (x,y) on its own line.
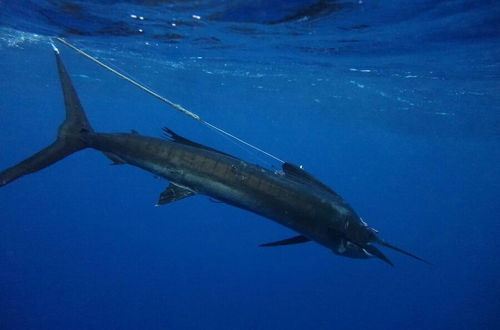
(69,138)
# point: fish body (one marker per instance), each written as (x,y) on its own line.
(291,197)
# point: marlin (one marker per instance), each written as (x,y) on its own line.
(291,197)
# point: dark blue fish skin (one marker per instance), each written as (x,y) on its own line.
(294,198)
(305,208)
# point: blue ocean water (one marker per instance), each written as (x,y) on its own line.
(394,104)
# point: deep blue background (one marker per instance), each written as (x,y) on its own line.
(396,107)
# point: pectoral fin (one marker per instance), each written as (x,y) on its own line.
(384,243)
(377,253)
(294,240)
(174,193)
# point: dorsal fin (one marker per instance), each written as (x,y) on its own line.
(171,135)
(297,174)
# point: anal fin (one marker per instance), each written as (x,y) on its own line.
(174,193)
(289,241)
(115,160)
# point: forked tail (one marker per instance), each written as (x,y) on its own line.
(69,137)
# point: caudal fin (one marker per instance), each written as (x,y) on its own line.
(69,137)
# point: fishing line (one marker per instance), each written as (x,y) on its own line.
(174,105)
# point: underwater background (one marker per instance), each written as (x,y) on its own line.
(394,104)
